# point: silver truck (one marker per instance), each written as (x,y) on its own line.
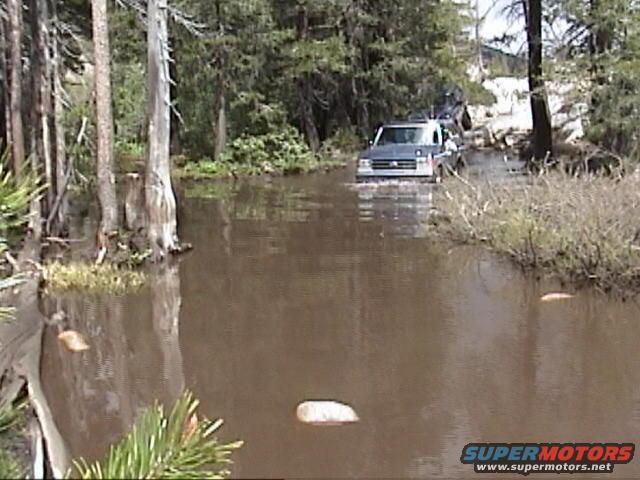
(428,149)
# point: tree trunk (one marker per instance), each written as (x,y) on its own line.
(221,125)
(58,120)
(40,22)
(106,179)
(160,199)
(305,89)
(542,134)
(6,98)
(36,113)
(14,10)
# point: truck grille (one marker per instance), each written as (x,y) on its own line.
(393,164)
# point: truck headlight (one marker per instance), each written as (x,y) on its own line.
(364,163)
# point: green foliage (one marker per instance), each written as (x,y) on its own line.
(10,466)
(15,195)
(283,151)
(278,153)
(177,444)
(11,417)
(129,109)
(605,49)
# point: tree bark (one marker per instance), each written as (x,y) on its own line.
(14,10)
(58,119)
(305,90)
(42,60)
(221,125)
(542,141)
(6,98)
(160,199)
(106,179)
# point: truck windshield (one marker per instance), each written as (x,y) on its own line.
(407,135)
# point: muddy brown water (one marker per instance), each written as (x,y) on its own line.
(314,288)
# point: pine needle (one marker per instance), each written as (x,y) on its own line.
(175,445)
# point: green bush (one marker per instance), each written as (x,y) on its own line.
(276,152)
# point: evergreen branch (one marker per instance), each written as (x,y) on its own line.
(177,445)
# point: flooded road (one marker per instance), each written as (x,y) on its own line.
(315,288)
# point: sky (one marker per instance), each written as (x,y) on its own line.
(497,23)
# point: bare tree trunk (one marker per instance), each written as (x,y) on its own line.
(542,134)
(221,125)
(58,119)
(36,113)
(40,22)
(305,90)
(106,179)
(14,9)
(160,199)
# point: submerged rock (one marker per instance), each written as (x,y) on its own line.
(74,341)
(553,297)
(326,412)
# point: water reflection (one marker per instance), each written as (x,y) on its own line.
(306,288)
(135,358)
(403,206)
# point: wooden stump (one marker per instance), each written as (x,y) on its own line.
(134,204)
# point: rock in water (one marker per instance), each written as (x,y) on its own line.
(326,412)
(553,297)
(74,341)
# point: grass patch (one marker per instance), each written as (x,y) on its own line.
(583,230)
(88,277)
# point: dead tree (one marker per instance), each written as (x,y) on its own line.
(159,195)
(106,179)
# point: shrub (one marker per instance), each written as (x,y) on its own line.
(283,151)
(581,229)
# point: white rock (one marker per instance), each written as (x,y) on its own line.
(326,412)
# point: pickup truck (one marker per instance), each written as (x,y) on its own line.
(426,149)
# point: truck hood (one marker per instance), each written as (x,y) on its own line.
(398,152)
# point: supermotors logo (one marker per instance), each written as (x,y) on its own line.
(526,458)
